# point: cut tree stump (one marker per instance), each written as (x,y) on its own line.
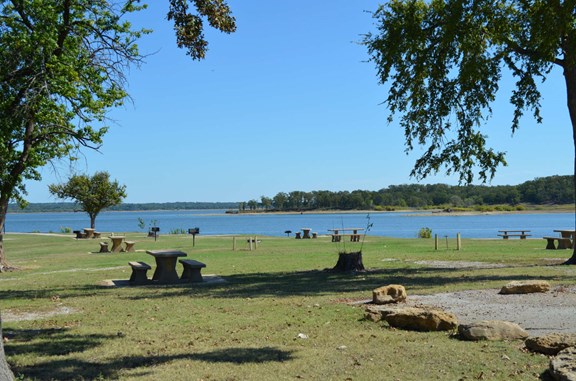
(349,262)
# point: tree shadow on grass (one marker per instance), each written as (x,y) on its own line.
(49,342)
(75,369)
(318,282)
(52,292)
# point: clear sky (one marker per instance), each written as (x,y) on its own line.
(288,102)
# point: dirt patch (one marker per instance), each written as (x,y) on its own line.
(8,315)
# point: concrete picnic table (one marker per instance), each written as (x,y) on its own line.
(165,272)
(566,233)
(116,243)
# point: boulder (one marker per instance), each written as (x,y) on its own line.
(563,366)
(492,330)
(420,319)
(551,344)
(392,293)
(372,314)
(525,287)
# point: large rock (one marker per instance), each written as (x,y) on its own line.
(420,319)
(525,287)
(373,314)
(551,344)
(492,330)
(563,366)
(393,293)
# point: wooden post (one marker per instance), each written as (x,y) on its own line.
(435,241)
(458,242)
(255,242)
(250,243)
(233,243)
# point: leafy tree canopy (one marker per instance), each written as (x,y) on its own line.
(62,68)
(189,26)
(443,61)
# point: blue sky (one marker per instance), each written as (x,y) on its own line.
(286,103)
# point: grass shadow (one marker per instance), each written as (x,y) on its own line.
(68,369)
(49,342)
(318,282)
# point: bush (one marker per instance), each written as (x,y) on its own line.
(425,233)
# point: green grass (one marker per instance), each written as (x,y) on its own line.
(248,327)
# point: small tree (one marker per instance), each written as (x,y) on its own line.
(92,194)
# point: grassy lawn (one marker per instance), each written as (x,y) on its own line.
(249,327)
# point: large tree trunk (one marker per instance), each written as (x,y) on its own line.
(5,372)
(570,78)
(3,210)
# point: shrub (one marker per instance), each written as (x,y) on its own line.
(425,233)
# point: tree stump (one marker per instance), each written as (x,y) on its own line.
(349,262)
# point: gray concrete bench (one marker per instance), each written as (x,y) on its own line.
(129,246)
(104,247)
(139,270)
(563,243)
(192,270)
(506,236)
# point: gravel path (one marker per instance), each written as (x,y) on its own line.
(537,313)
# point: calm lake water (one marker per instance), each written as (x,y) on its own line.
(216,222)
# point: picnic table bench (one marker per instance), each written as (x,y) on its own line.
(139,270)
(563,243)
(129,246)
(505,234)
(79,234)
(192,270)
(337,236)
(104,247)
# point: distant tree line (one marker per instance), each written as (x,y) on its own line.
(73,207)
(540,191)
(550,190)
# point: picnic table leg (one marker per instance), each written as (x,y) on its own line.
(550,244)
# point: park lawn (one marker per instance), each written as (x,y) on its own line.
(278,316)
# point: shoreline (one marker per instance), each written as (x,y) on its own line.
(423,212)
(416,212)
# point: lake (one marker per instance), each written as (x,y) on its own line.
(217,222)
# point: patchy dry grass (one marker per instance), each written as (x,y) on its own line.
(278,316)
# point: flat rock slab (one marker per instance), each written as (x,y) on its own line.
(417,318)
(551,344)
(525,287)
(563,366)
(492,330)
